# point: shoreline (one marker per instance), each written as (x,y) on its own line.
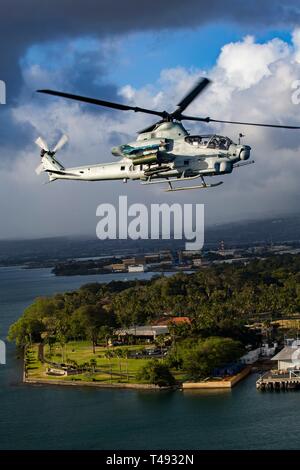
(218,385)
(226,383)
(204,385)
(82,383)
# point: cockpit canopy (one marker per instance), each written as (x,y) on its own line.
(209,141)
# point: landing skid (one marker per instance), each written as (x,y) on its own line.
(198,186)
(204,185)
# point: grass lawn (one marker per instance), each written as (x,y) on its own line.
(112,370)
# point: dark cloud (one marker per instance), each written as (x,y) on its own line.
(13,137)
(23,23)
(33,22)
(77,70)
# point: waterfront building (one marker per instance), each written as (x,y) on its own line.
(117,267)
(144,332)
(288,358)
(250,357)
(267,351)
(136,268)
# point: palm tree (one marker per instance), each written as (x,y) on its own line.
(119,355)
(84,365)
(160,341)
(93,364)
(105,333)
(109,355)
(73,363)
(62,342)
(124,353)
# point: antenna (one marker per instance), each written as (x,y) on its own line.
(240,137)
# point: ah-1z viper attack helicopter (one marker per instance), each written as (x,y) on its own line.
(162,153)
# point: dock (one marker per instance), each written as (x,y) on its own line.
(279,380)
(225,383)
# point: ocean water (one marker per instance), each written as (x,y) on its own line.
(41,417)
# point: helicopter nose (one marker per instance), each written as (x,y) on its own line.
(244,152)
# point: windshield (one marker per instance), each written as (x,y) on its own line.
(209,141)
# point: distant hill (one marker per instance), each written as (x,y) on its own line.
(251,232)
(269,230)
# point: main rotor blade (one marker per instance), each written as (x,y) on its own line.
(151,127)
(107,104)
(208,119)
(186,101)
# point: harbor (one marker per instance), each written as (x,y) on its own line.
(279,380)
(287,374)
(201,413)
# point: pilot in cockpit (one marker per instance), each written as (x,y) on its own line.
(196,141)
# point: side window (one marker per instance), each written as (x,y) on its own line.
(122,168)
(213,144)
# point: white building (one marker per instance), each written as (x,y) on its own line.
(288,358)
(143,331)
(267,351)
(251,356)
(136,268)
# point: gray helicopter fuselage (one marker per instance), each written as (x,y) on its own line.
(163,152)
(168,151)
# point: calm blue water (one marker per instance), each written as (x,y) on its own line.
(38,417)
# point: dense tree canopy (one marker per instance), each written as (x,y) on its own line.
(156,373)
(200,358)
(219,301)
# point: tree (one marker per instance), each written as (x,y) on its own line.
(73,363)
(109,355)
(119,354)
(160,340)
(200,358)
(62,338)
(93,364)
(90,319)
(125,353)
(105,332)
(154,372)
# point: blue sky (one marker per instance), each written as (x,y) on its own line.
(147,54)
(138,58)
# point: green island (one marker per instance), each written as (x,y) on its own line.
(202,324)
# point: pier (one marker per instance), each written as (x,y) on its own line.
(279,380)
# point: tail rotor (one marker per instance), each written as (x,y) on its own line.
(45,148)
(48,156)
